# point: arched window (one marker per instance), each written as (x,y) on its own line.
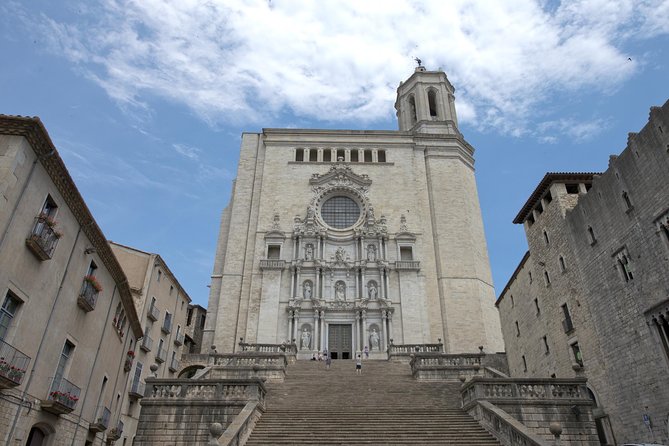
(432,101)
(412,109)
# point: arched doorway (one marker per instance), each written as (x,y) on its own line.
(38,435)
(604,432)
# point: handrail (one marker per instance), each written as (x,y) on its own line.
(238,431)
(508,430)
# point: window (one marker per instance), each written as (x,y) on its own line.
(591,236)
(623,263)
(63,362)
(563,266)
(341,155)
(572,189)
(160,274)
(663,330)
(546,237)
(524,364)
(512,302)
(567,324)
(171,289)
(530,219)
(547,278)
(274,252)
(539,208)
(517,329)
(137,377)
(167,323)
(327,155)
(7,312)
(628,202)
(547,350)
(354,156)
(340,212)
(49,208)
(412,110)
(529,273)
(432,102)
(368,156)
(548,197)
(536,305)
(576,351)
(299,155)
(382,156)
(119,319)
(406,253)
(189,316)
(313,155)
(203,317)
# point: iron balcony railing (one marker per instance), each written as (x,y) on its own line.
(88,296)
(147,343)
(161,355)
(154,312)
(13,365)
(179,339)
(174,365)
(137,388)
(167,325)
(64,392)
(43,239)
(102,416)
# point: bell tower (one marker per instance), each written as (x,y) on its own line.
(425,103)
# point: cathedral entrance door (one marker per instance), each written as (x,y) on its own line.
(339,341)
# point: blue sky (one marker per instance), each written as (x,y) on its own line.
(146,100)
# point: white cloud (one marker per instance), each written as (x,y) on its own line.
(189,152)
(245,61)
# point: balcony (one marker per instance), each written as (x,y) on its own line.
(147,344)
(43,238)
(154,312)
(137,389)
(272,264)
(13,366)
(101,423)
(174,365)
(179,339)
(167,325)
(89,294)
(115,433)
(407,265)
(161,356)
(567,325)
(62,398)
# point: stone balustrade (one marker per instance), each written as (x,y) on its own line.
(403,352)
(272,264)
(268,348)
(270,366)
(534,403)
(205,401)
(407,265)
(443,366)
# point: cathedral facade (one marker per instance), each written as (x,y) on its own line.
(346,240)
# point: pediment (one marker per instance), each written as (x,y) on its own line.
(340,175)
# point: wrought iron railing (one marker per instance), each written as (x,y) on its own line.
(161,356)
(64,392)
(13,364)
(43,238)
(88,296)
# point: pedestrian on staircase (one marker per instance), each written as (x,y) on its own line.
(328,361)
(366,352)
(358,365)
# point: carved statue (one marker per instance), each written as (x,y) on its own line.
(371,253)
(374,340)
(276,225)
(309,252)
(311,212)
(372,292)
(307,290)
(340,291)
(370,213)
(305,342)
(340,254)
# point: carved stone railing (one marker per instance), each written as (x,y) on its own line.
(407,265)
(443,366)
(272,264)
(508,430)
(241,427)
(534,403)
(403,352)
(268,348)
(270,366)
(224,390)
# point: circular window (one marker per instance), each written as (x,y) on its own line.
(340,212)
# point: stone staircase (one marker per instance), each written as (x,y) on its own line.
(383,406)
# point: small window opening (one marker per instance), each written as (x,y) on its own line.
(588,186)
(529,273)
(203,318)
(354,156)
(160,275)
(628,202)
(327,155)
(663,329)
(382,156)
(567,323)
(274,252)
(189,316)
(9,307)
(546,237)
(624,266)
(547,278)
(547,349)
(591,236)
(368,156)
(341,155)
(530,219)
(524,364)
(578,356)
(659,127)
(299,155)
(517,329)
(512,302)
(539,208)
(432,101)
(313,155)
(536,305)
(406,253)
(563,266)
(572,189)
(412,110)
(548,197)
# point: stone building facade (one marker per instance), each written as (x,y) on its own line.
(67,319)
(162,305)
(591,297)
(341,239)
(196,318)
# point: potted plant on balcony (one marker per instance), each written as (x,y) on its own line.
(128,361)
(93,282)
(65,398)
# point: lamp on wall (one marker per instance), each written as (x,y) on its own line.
(90,250)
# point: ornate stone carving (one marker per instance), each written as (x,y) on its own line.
(403,224)
(371,253)
(276,225)
(375,340)
(309,252)
(340,291)
(305,339)
(307,290)
(372,291)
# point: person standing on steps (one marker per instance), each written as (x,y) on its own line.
(328,361)
(366,352)
(358,365)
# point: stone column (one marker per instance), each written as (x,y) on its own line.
(362,274)
(384,321)
(314,335)
(358,287)
(298,284)
(296,320)
(317,288)
(356,342)
(323,340)
(290,325)
(387,279)
(364,330)
(292,281)
(382,284)
(390,325)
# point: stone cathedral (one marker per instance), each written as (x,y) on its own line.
(342,240)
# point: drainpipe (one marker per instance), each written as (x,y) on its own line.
(41,343)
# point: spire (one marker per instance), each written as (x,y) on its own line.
(425,102)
